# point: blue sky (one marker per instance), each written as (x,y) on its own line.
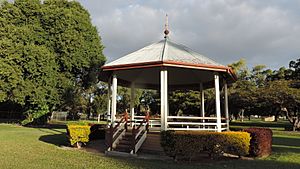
(262,32)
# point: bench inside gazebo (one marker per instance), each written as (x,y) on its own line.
(164,66)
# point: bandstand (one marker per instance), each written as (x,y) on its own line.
(167,66)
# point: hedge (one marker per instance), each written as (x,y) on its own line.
(97,131)
(261,141)
(78,134)
(190,143)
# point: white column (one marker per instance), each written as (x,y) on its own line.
(226,105)
(218,107)
(202,101)
(114,98)
(164,108)
(109,100)
(162,100)
(166,99)
(132,98)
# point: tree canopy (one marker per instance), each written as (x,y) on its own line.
(46,47)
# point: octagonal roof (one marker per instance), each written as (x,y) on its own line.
(164,51)
(187,67)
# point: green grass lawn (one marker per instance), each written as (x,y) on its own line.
(23,147)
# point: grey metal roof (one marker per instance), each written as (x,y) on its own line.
(164,50)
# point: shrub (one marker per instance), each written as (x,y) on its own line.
(97,131)
(168,142)
(190,143)
(36,116)
(78,134)
(261,142)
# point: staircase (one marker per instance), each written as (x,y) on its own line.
(125,144)
(124,140)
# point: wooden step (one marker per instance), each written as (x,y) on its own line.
(127,142)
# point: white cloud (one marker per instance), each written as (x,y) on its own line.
(225,30)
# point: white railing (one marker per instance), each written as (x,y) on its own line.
(116,133)
(194,123)
(140,142)
(184,123)
(153,122)
(139,134)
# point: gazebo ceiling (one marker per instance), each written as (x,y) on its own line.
(185,67)
(178,78)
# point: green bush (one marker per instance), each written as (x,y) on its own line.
(97,131)
(261,141)
(78,133)
(168,142)
(190,143)
(36,116)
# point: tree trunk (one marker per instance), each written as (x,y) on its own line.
(296,124)
(242,116)
(294,128)
(295,120)
(277,112)
(99,116)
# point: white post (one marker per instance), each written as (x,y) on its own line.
(218,107)
(164,99)
(226,105)
(114,98)
(202,102)
(109,100)
(132,98)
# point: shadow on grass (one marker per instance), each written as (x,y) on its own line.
(286,144)
(261,124)
(55,139)
(56,134)
(232,164)
(48,126)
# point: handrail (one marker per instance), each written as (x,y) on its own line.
(117,128)
(114,135)
(143,128)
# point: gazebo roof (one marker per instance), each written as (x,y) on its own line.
(186,67)
(164,51)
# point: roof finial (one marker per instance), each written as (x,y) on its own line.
(166,27)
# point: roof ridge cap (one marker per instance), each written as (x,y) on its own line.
(164,49)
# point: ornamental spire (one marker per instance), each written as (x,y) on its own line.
(166,32)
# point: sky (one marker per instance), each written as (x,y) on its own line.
(262,32)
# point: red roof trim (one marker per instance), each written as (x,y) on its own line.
(164,63)
(197,66)
(133,66)
(170,64)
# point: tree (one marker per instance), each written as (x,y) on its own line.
(240,94)
(46,49)
(295,69)
(149,100)
(185,102)
(100,100)
(282,95)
